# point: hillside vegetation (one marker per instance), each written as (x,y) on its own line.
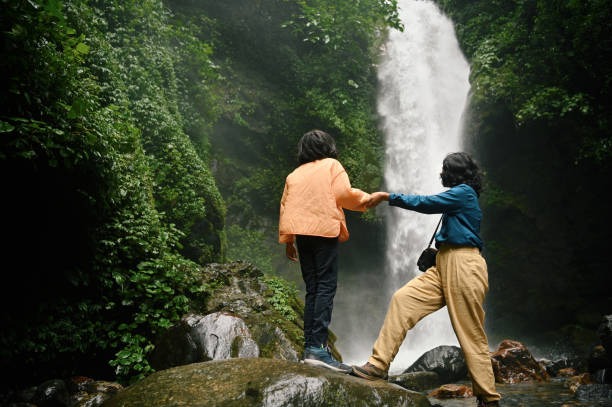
(136,135)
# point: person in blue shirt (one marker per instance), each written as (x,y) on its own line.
(459,279)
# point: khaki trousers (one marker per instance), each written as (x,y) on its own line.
(460,281)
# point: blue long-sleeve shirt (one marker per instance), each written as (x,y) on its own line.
(462,214)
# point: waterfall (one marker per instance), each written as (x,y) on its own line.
(423,79)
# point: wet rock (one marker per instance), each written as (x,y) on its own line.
(51,393)
(566,372)
(79,383)
(175,347)
(200,338)
(597,391)
(260,382)
(451,391)
(513,363)
(238,320)
(600,359)
(574,382)
(78,391)
(604,330)
(563,367)
(242,291)
(447,361)
(603,376)
(221,336)
(417,381)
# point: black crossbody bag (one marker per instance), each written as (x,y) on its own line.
(427,258)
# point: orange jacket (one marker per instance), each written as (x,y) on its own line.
(313,201)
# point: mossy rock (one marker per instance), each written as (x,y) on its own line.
(260,382)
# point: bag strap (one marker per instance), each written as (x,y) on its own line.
(434,233)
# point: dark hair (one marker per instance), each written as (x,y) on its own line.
(315,145)
(460,168)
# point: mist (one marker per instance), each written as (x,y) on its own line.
(423,88)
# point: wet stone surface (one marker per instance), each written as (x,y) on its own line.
(261,382)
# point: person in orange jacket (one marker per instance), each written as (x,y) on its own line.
(312,223)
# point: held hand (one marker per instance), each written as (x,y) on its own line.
(291,252)
(376,198)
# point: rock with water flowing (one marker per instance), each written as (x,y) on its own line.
(447,361)
(513,363)
(260,382)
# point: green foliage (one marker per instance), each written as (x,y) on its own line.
(283,297)
(131,360)
(550,103)
(287,67)
(41,42)
(99,115)
(339,24)
(345,36)
(113,112)
(547,62)
(251,245)
(156,294)
(540,123)
(185,190)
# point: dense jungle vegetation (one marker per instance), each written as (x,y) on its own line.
(143,139)
(540,124)
(140,140)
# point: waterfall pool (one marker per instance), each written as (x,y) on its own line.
(546,394)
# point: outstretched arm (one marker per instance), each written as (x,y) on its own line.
(376,198)
(348,197)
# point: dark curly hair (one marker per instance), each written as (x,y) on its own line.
(460,168)
(315,145)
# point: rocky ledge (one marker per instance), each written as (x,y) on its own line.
(260,382)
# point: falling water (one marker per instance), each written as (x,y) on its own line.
(424,85)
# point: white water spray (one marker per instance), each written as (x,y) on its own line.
(423,91)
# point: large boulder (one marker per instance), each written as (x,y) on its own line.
(199,338)
(447,361)
(238,319)
(256,382)
(513,363)
(417,381)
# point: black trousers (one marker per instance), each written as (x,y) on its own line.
(319,263)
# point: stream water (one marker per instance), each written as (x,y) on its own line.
(548,394)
